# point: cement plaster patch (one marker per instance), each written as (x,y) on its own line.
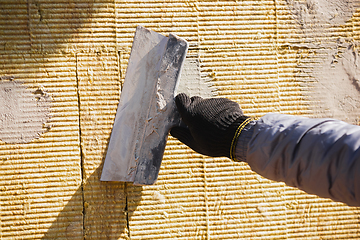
(24,113)
(192,83)
(310,12)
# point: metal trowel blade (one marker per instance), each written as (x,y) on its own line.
(146,111)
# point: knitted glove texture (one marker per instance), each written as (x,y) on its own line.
(210,124)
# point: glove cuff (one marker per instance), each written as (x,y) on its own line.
(242,128)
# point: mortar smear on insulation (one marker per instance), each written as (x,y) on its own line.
(314,12)
(192,83)
(333,64)
(337,89)
(24,113)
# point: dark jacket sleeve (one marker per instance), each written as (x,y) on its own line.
(319,156)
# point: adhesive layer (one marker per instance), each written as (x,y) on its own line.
(24,114)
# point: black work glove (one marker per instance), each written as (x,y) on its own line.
(210,124)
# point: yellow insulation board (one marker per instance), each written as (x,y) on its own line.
(40,181)
(254,52)
(99,86)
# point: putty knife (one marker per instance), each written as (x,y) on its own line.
(146,111)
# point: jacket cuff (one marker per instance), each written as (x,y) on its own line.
(243,140)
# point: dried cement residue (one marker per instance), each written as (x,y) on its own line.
(311,12)
(192,83)
(338,87)
(334,64)
(24,113)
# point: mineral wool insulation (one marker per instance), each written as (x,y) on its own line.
(67,59)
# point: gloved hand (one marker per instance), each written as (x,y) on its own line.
(210,124)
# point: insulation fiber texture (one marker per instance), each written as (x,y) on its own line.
(68,59)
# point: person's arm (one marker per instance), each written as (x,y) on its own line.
(319,156)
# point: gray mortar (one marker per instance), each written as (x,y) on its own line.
(24,113)
(310,12)
(333,64)
(192,83)
(338,84)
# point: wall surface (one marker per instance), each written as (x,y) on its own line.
(62,66)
